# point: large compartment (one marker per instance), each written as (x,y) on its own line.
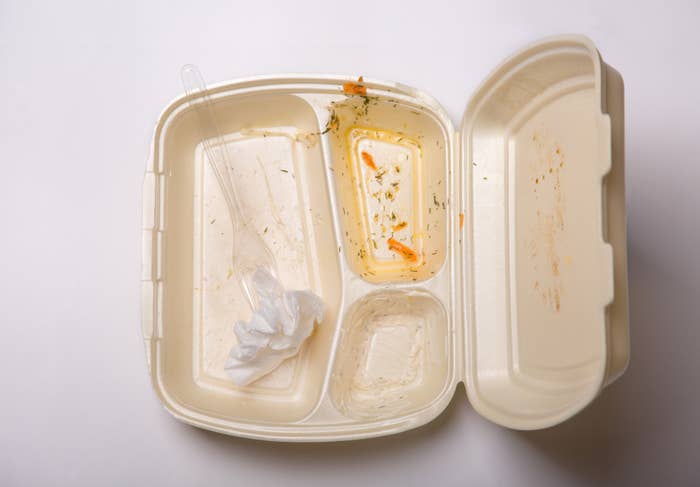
(279,171)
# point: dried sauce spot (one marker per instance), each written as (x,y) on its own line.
(358,88)
(368,160)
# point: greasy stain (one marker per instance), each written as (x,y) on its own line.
(545,235)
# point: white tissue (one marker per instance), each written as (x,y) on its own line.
(280,324)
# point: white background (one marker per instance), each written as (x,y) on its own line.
(81,86)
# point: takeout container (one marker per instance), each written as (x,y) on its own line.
(518,285)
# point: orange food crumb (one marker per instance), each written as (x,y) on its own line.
(461,221)
(358,88)
(401,249)
(399,226)
(368,159)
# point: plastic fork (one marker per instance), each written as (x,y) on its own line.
(249,250)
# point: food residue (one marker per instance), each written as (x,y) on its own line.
(545,242)
(401,249)
(399,226)
(332,124)
(368,160)
(358,88)
(461,221)
(380,175)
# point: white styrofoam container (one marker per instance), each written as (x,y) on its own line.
(521,291)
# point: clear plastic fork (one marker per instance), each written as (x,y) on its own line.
(250,252)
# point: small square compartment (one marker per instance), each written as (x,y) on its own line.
(392,356)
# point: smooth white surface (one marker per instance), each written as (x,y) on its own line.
(81,86)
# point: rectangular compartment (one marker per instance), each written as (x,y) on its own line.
(494,255)
(388,158)
(266,135)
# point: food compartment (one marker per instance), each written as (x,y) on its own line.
(393,355)
(537,142)
(279,172)
(517,304)
(389,160)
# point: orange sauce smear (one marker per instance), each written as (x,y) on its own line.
(401,249)
(358,88)
(368,159)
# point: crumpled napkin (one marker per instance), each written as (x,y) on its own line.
(280,324)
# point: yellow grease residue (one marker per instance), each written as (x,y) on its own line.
(388,198)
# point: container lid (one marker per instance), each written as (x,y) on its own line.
(538,272)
